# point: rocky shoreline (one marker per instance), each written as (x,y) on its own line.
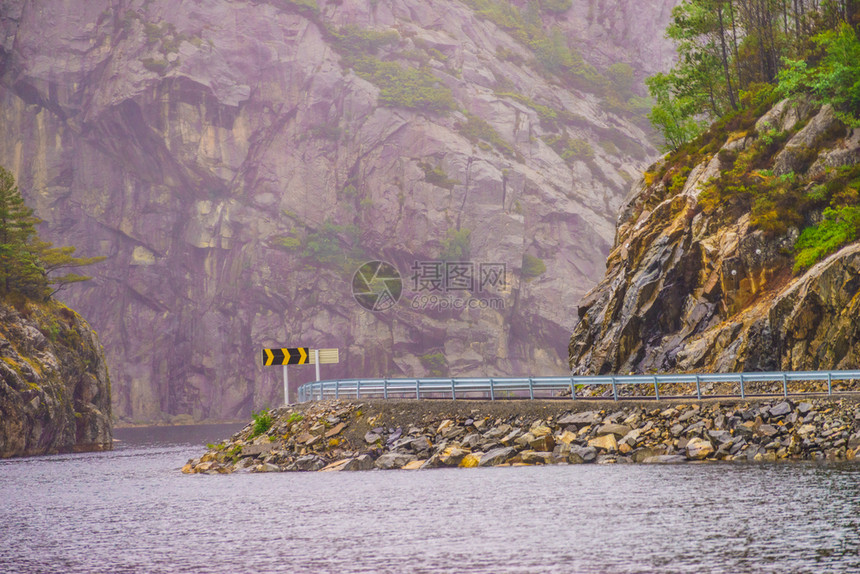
(352,435)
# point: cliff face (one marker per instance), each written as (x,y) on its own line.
(236,171)
(703,275)
(54,386)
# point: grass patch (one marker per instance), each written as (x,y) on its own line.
(839,227)
(399,86)
(435,363)
(533,267)
(262,422)
(478,130)
(457,245)
(436,176)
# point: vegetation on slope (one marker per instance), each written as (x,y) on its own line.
(737,59)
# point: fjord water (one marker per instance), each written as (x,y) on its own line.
(131,510)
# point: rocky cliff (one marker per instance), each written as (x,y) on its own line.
(710,271)
(237,161)
(54,385)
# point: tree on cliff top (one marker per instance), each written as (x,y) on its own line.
(28,265)
(731,50)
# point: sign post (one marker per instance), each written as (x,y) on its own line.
(298,356)
(286,387)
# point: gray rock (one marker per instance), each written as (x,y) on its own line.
(665,459)
(372,437)
(361,462)
(497,432)
(699,449)
(309,462)
(497,456)
(586,453)
(614,429)
(471,441)
(580,419)
(393,460)
(781,409)
(720,436)
(395,436)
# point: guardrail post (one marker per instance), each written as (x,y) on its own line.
(829,383)
(784,386)
(531,389)
(698,388)
(614,389)
(384,388)
(572,390)
(492,390)
(656,392)
(321,391)
(453,392)
(358,388)
(418,389)
(743,395)
(337,389)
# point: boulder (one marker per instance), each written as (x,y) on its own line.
(665,459)
(606,442)
(392,460)
(699,449)
(544,443)
(580,419)
(497,456)
(614,429)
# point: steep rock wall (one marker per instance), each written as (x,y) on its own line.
(55,391)
(689,289)
(235,172)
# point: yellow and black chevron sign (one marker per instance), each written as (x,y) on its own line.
(290,356)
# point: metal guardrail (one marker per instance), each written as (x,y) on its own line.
(495,388)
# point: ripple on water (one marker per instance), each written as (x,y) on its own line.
(130,510)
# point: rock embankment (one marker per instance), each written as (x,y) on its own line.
(54,384)
(344,435)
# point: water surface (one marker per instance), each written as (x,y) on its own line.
(131,510)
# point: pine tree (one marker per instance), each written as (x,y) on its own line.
(29,265)
(19,267)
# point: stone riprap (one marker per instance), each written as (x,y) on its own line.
(342,435)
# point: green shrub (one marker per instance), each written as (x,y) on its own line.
(352,40)
(457,245)
(838,228)
(552,52)
(533,266)
(477,129)
(262,422)
(326,245)
(556,6)
(435,363)
(437,176)
(410,88)
(289,242)
(835,79)
(548,116)
(308,7)
(569,149)
(157,66)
